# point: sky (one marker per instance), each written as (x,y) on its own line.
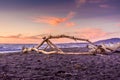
(27,21)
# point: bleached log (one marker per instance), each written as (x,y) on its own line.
(112,47)
(39,45)
(53,46)
(45,52)
(40,51)
(25,50)
(70,37)
(104,48)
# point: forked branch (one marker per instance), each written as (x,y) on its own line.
(54,49)
(52,46)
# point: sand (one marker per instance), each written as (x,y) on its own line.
(34,66)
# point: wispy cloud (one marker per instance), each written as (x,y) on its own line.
(20,36)
(12,36)
(96,1)
(104,6)
(82,2)
(87,33)
(91,33)
(53,20)
(118,25)
(70,24)
(94,33)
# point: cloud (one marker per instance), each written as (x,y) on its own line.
(20,36)
(12,36)
(39,36)
(104,6)
(118,25)
(33,37)
(15,36)
(82,2)
(53,20)
(92,33)
(89,33)
(86,33)
(70,24)
(96,1)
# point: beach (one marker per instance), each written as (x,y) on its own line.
(38,66)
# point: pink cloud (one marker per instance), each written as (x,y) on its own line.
(82,2)
(118,25)
(70,24)
(53,20)
(12,36)
(91,33)
(104,6)
(96,1)
(87,33)
(20,36)
(15,36)
(21,39)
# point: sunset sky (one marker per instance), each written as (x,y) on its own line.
(26,21)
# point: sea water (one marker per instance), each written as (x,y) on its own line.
(9,48)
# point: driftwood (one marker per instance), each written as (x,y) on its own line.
(105,48)
(94,49)
(53,47)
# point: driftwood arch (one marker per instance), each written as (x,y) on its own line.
(102,49)
(53,47)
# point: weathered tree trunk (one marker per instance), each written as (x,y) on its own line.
(55,49)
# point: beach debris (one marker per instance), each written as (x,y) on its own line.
(52,47)
(104,48)
(94,49)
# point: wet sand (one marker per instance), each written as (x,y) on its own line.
(34,66)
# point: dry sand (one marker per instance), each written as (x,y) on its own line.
(34,66)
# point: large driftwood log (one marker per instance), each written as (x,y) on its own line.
(52,46)
(54,49)
(70,37)
(104,49)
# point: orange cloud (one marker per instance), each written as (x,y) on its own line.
(20,36)
(87,33)
(20,39)
(12,36)
(70,24)
(53,20)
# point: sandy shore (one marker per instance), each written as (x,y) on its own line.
(34,66)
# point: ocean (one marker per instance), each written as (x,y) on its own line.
(9,48)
